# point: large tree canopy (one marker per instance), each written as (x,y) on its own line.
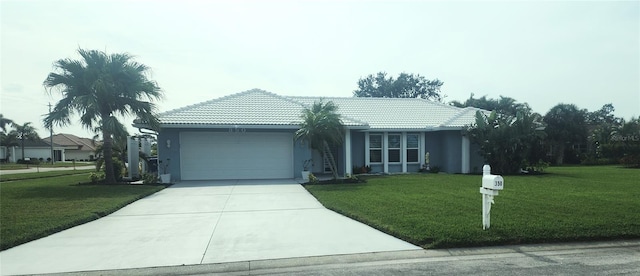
(566,125)
(98,88)
(509,143)
(25,132)
(405,86)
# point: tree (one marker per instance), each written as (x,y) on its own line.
(322,128)
(508,143)
(504,105)
(566,126)
(405,86)
(624,144)
(6,139)
(25,132)
(100,87)
(601,124)
(4,122)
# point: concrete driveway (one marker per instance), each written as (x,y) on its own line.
(199,222)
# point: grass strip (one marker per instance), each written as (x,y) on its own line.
(15,166)
(36,175)
(34,208)
(442,210)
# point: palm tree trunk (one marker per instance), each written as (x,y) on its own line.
(332,160)
(108,157)
(22,146)
(560,154)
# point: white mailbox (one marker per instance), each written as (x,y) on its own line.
(491,184)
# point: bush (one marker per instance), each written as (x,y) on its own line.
(96,177)
(361,169)
(149,178)
(33,161)
(630,161)
(313,179)
(592,161)
(434,169)
(118,168)
(540,166)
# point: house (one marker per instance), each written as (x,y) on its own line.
(38,149)
(250,135)
(76,148)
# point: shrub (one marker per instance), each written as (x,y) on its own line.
(96,177)
(434,169)
(149,178)
(630,161)
(313,179)
(118,168)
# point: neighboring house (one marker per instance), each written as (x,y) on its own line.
(76,148)
(38,149)
(249,135)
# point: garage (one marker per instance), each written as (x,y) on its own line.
(236,155)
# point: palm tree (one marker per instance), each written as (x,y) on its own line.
(322,128)
(100,87)
(4,122)
(25,132)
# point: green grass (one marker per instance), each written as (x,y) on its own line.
(441,210)
(34,208)
(22,176)
(15,166)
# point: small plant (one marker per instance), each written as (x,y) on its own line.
(367,169)
(96,177)
(361,169)
(434,169)
(313,179)
(149,178)
(166,165)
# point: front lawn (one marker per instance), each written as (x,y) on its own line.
(34,208)
(66,164)
(444,210)
(21,176)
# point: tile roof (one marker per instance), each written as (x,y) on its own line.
(399,113)
(259,107)
(70,140)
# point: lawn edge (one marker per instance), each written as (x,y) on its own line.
(80,221)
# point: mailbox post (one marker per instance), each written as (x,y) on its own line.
(491,184)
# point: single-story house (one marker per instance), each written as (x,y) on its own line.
(38,149)
(76,148)
(250,135)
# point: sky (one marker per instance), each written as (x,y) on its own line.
(538,52)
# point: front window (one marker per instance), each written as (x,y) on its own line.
(394,145)
(413,142)
(375,148)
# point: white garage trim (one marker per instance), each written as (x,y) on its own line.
(236,155)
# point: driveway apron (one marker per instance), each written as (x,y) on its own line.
(198,222)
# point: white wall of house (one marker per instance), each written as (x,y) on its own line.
(37,153)
(77,155)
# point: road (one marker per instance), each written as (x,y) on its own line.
(591,258)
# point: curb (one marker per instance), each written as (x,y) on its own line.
(300,264)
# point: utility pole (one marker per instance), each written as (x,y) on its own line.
(51,138)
